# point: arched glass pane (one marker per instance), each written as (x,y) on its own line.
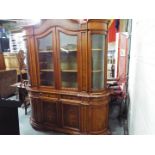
(68,58)
(46,60)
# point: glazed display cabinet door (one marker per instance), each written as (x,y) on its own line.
(68,49)
(98,51)
(46,58)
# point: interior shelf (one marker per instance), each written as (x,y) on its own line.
(97,49)
(72,71)
(46,83)
(47,70)
(45,51)
(69,48)
(67,51)
(96,71)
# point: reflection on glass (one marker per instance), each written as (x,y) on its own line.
(98,46)
(46,60)
(68,58)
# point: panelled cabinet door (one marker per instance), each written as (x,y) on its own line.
(50,112)
(45,51)
(68,56)
(36,105)
(98,44)
(70,115)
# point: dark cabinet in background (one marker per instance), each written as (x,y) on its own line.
(9,122)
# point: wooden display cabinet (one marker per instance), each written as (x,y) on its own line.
(68,68)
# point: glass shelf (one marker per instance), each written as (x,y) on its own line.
(69,48)
(47,70)
(71,71)
(96,71)
(44,51)
(97,50)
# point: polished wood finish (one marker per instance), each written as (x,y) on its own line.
(2,62)
(80,110)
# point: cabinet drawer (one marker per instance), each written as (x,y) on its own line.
(70,97)
(40,94)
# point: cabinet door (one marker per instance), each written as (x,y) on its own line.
(36,114)
(68,58)
(71,115)
(50,112)
(46,59)
(98,48)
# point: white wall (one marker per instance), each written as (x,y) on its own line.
(142,78)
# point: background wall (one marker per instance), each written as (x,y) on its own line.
(142,78)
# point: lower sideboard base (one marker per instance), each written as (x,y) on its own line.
(45,127)
(71,114)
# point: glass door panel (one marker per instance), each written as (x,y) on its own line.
(68,60)
(46,60)
(98,47)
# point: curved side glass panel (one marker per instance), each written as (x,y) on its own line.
(98,49)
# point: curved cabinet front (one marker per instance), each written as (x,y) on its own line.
(70,114)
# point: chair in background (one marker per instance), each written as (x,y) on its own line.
(118,95)
(7,78)
(23,93)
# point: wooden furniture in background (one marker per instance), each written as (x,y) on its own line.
(2,62)
(23,93)
(68,73)
(11,62)
(7,78)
